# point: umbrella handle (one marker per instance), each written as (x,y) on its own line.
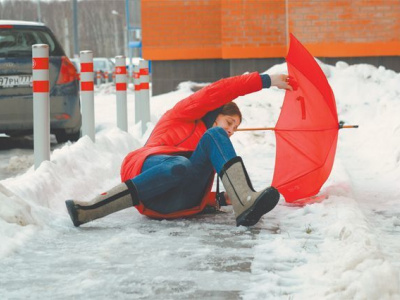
(347,126)
(341,126)
(255,129)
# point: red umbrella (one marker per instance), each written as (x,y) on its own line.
(306,131)
(307,128)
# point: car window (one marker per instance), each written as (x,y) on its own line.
(18,41)
(99,64)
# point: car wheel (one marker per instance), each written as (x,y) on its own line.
(63,137)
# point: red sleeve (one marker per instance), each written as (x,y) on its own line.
(215,95)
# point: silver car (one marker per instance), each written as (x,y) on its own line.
(16,106)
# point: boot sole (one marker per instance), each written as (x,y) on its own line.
(72,212)
(263,204)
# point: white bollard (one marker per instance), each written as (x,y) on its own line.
(144,110)
(87,94)
(98,78)
(138,95)
(41,103)
(120,86)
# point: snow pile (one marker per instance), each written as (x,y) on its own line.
(344,247)
(37,196)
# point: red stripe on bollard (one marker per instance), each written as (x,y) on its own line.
(40,86)
(120,86)
(144,72)
(40,63)
(87,86)
(86,67)
(120,70)
(137,87)
(144,86)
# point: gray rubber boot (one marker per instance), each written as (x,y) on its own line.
(249,206)
(120,197)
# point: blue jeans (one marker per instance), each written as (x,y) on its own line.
(170,183)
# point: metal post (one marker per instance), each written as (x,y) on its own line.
(41,103)
(128,39)
(138,95)
(76,35)
(287,23)
(116,31)
(120,86)
(145,93)
(66,38)
(87,94)
(39,13)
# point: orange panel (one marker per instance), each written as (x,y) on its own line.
(354,49)
(201,29)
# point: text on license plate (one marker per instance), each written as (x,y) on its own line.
(15,80)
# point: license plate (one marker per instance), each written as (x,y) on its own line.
(15,81)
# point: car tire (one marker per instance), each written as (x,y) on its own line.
(63,137)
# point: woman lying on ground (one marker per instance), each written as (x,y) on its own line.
(172,174)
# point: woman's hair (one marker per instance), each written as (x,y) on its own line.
(231,109)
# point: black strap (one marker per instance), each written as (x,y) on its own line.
(217,185)
(220,196)
(133,191)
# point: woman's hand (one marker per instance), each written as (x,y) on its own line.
(281,81)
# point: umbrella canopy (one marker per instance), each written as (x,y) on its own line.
(307,128)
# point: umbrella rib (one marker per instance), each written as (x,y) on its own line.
(322,129)
(334,114)
(304,174)
(287,182)
(301,152)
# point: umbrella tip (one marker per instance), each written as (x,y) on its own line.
(341,125)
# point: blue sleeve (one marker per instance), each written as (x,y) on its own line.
(266,81)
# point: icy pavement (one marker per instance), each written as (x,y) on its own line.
(345,247)
(336,249)
(134,258)
(328,250)
(205,257)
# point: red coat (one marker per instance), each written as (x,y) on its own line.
(180,129)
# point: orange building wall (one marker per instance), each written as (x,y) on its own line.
(176,29)
(225,29)
(252,28)
(347,28)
